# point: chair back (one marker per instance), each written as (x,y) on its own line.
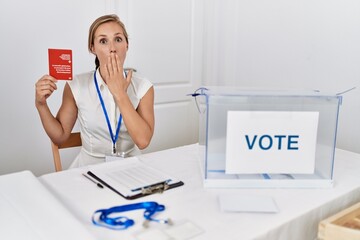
(73,141)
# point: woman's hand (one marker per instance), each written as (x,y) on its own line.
(113,74)
(44,87)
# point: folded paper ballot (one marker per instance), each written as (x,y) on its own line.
(132,178)
(29,211)
(246,203)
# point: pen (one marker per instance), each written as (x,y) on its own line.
(97,184)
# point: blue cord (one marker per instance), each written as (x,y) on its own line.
(102,217)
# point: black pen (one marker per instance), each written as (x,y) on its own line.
(97,184)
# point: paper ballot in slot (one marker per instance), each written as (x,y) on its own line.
(132,178)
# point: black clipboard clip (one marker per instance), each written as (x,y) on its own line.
(158,188)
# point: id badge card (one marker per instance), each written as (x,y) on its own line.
(111,158)
(115,154)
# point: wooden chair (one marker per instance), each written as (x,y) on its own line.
(73,141)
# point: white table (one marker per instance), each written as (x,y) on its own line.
(29,211)
(298,218)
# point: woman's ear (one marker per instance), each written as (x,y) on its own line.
(92,49)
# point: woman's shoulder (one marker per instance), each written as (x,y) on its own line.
(140,80)
(85,76)
(81,79)
(140,84)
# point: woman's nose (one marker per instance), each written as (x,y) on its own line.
(112,48)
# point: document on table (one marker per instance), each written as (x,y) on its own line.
(132,178)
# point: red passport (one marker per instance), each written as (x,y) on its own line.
(60,64)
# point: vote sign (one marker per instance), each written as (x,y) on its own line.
(271,142)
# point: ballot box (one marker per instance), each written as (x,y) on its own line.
(267,138)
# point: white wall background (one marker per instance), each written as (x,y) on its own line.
(259,43)
(302,44)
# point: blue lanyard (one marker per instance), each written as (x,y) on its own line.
(113,138)
(102,217)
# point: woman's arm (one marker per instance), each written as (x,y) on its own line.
(58,129)
(139,122)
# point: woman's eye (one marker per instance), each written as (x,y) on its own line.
(118,39)
(103,41)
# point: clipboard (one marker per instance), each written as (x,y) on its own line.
(131,179)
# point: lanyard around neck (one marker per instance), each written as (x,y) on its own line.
(113,138)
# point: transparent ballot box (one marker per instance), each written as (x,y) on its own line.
(266,138)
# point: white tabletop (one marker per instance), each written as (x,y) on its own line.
(300,210)
(29,211)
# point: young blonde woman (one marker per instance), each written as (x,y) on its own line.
(115,108)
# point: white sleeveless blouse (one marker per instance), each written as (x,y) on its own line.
(95,136)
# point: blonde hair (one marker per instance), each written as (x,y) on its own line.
(94,26)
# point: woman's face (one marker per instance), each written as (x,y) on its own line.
(109,37)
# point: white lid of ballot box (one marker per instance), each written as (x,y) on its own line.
(216,102)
